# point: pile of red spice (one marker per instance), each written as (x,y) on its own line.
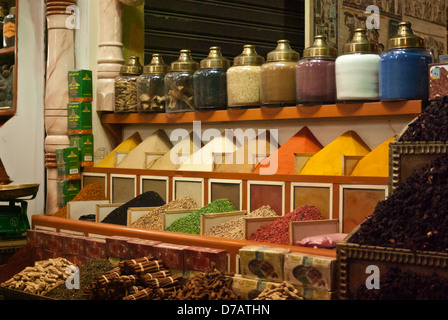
(24,257)
(278,231)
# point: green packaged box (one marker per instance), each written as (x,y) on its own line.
(68,163)
(80,88)
(67,190)
(84,142)
(79,116)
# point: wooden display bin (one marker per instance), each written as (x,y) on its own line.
(354,259)
(208,220)
(298,230)
(251,225)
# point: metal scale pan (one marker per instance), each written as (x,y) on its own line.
(18,191)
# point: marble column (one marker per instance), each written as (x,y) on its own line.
(60,60)
(110,57)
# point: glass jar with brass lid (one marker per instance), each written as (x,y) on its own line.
(404,66)
(243,79)
(278,78)
(126,86)
(210,81)
(151,86)
(315,73)
(357,69)
(179,84)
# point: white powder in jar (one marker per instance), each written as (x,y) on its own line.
(243,86)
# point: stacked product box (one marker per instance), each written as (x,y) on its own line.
(69,174)
(79,115)
(313,276)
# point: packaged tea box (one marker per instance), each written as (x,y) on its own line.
(80,86)
(84,142)
(79,116)
(68,163)
(67,190)
(265,263)
(310,271)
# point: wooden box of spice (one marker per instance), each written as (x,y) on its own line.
(203,258)
(362,267)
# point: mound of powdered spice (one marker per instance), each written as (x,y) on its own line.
(90,192)
(278,230)
(191,223)
(120,215)
(234,229)
(414,216)
(153,219)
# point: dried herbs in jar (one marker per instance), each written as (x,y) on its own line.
(126,86)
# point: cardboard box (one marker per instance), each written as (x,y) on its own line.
(95,248)
(74,245)
(85,144)
(79,117)
(249,289)
(68,164)
(139,248)
(172,255)
(67,190)
(310,271)
(264,263)
(202,258)
(80,86)
(117,247)
(438,80)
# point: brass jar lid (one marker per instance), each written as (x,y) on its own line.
(185,62)
(320,49)
(249,57)
(283,52)
(157,65)
(360,43)
(405,38)
(215,60)
(132,67)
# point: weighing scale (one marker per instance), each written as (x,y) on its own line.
(13,209)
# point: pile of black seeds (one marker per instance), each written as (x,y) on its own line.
(147,199)
(87,273)
(431,125)
(415,216)
(399,284)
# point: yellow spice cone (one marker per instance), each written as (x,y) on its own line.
(376,163)
(328,161)
(127,145)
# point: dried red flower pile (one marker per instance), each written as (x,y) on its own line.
(278,231)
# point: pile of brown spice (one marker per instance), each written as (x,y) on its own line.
(90,192)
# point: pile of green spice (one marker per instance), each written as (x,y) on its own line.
(87,273)
(191,223)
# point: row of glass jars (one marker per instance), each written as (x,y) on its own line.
(361,73)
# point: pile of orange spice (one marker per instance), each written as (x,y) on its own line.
(90,192)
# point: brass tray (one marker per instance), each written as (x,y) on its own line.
(11,192)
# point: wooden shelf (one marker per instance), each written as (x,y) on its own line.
(339,110)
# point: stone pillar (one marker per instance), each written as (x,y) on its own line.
(60,60)
(110,57)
